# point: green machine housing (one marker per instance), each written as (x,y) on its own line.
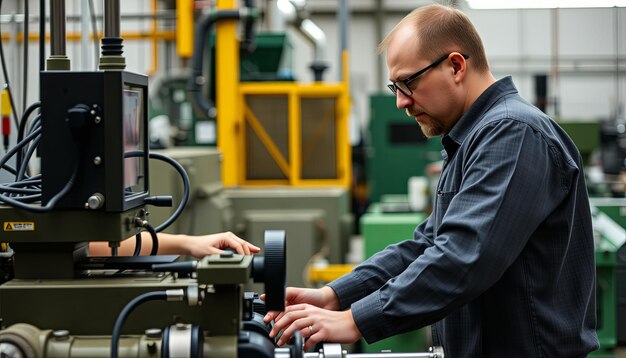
(379,230)
(609,216)
(396,145)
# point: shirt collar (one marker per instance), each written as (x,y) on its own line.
(452,141)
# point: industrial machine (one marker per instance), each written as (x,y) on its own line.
(609,223)
(396,145)
(381,228)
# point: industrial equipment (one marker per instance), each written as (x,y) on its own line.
(317,220)
(396,145)
(381,228)
(609,223)
(284,154)
(270,129)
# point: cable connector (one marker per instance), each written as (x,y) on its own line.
(163,200)
(175,295)
(139,222)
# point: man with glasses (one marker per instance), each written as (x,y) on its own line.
(504,265)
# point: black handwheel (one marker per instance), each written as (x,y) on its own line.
(297,349)
(271,270)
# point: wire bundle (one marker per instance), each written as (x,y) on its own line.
(26,189)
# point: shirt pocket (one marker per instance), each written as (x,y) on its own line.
(441,206)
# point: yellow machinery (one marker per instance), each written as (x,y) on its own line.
(300,129)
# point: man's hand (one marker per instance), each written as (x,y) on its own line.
(316,325)
(200,246)
(320,297)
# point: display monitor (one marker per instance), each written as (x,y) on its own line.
(133,122)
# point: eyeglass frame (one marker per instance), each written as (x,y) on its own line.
(394,88)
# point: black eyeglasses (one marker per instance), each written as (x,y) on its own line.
(403,85)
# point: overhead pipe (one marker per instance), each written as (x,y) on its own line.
(206,107)
(293,12)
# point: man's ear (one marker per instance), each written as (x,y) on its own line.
(459,65)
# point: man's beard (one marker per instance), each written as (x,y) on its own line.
(430,128)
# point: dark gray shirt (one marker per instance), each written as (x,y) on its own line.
(504,266)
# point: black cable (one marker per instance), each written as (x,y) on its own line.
(130,306)
(19,202)
(138,242)
(22,125)
(25,45)
(32,181)
(29,153)
(155,240)
(51,204)
(6,77)
(186,185)
(35,124)
(18,146)
(26,199)
(94,29)
(9,169)
(22,129)
(186,188)
(10,189)
(22,162)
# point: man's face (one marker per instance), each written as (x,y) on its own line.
(433,101)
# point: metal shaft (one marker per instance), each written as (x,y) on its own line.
(111,18)
(57,27)
(374,355)
(389,355)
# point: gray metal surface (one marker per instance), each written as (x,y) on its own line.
(335,224)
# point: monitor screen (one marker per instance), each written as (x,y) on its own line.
(133,132)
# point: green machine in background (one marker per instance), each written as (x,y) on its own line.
(585,134)
(169,98)
(397,148)
(379,230)
(271,60)
(609,221)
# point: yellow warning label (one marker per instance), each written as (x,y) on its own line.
(18,226)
